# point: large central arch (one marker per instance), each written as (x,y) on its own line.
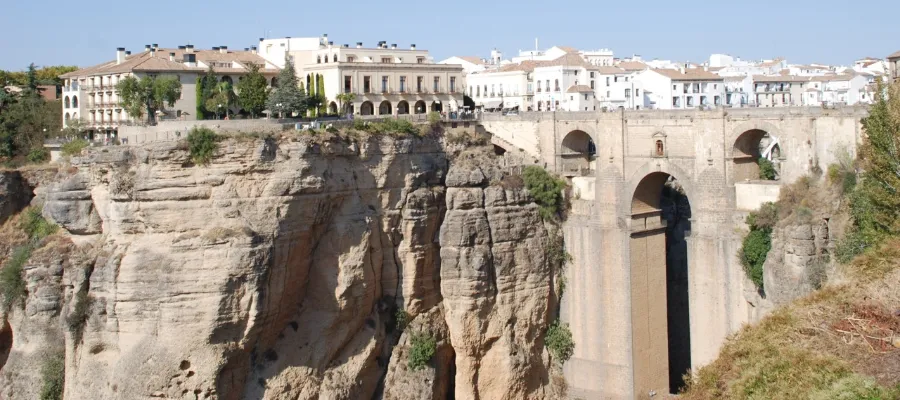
(660,220)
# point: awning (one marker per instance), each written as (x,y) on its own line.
(492,104)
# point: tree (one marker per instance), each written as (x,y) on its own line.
(320,91)
(31,78)
(222,99)
(345,99)
(148,94)
(252,91)
(287,97)
(206,87)
(25,121)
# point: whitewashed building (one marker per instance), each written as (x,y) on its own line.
(846,89)
(681,89)
(469,64)
(738,90)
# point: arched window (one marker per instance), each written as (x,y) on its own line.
(318,59)
(74,101)
(66,101)
(335,58)
(660,149)
(67,117)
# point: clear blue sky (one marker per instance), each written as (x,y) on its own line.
(804,31)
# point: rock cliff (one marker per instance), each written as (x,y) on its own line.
(285,269)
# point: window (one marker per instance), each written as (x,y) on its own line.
(675,88)
(626,79)
(718,100)
(437,84)
(592,84)
(318,59)
(326,59)
(402,84)
(493,91)
(420,60)
(556,85)
(334,58)
(385,60)
(351,59)
(615,79)
(453,85)
(607,81)
(586,96)
(607,94)
(592,74)
(501,89)
(478,91)
(347,80)
(627,93)
(715,86)
(703,101)
(676,102)
(384,84)
(367,84)
(660,149)
(576,72)
(571,98)
(419,81)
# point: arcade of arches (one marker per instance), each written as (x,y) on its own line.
(401,107)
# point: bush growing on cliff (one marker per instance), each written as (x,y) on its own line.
(12,284)
(559,341)
(53,377)
(35,225)
(758,242)
(546,190)
(421,350)
(74,147)
(202,144)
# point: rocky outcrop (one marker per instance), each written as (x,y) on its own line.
(278,270)
(798,261)
(15,194)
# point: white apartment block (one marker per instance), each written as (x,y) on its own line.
(385,80)
(738,90)
(681,89)
(90,94)
(846,89)
(779,90)
(508,87)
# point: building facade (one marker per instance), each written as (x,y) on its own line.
(893,63)
(692,88)
(384,80)
(90,94)
(779,90)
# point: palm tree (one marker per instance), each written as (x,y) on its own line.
(345,99)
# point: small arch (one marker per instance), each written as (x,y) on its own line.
(75,115)
(576,153)
(74,101)
(366,108)
(66,102)
(228,79)
(67,117)
(402,107)
(436,106)
(420,107)
(385,108)
(745,155)
(660,149)
(332,108)
(274,81)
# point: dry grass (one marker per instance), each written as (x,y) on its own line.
(818,344)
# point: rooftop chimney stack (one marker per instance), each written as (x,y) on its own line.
(394,46)
(215,48)
(120,55)
(171,56)
(412,46)
(155,46)
(358,45)
(223,49)
(190,59)
(181,48)
(189,49)
(127,53)
(146,47)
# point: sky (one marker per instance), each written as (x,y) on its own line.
(803,31)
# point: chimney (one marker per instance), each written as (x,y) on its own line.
(146,47)
(189,49)
(181,48)
(120,55)
(223,49)
(346,46)
(155,46)
(190,59)
(171,56)
(394,46)
(215,48)
(246,49)
(412,46)
(127,53)
(358,45)
(261,39)
(330,44)
(253,49)
(152,52)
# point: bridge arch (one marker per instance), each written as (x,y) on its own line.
(745,148)
(660,220)
(577,151)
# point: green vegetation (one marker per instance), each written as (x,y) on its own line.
(546,190)
(48,75)
(434,118)
(53,376)
(401,319)
(147,95)
(222,99)
(35,225)
(766,169)
(202,144)
(346,99)
(287,98)
(252,91)
(12,284)
(422,348)
(206,85)
(758,242)
(392,127)
(74,147)
(26,120)
(559,342)
(38,155)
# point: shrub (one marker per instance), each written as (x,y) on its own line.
(852,245)
(53,376)
(12,284)
(202,144)
(38,155)
(434,118)
(766,169)
(35,225)
(545,189)
(842,177)
(401,319)
(422,349)
(764,218)
(394,127)
(753,254)
(559,341)
(74,147)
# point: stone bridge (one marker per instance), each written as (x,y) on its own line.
(656,286)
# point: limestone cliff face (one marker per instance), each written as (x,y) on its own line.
(277,271)
(798,261)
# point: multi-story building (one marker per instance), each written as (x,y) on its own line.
(469,64)
(738,90)
(846,89)
(385,80)
(90,94)
(681,89)
(779,90)
(893,62)
(509,86)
